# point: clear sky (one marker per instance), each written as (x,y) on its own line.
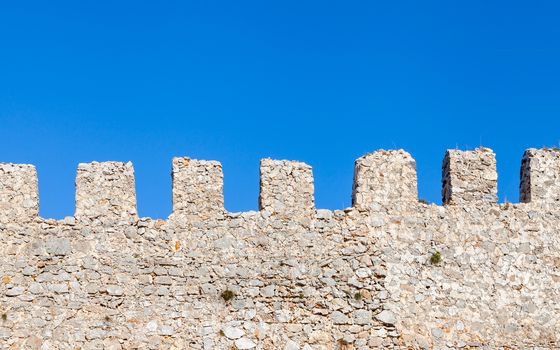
(235,81)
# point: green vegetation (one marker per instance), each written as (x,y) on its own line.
(435,258)
(227,295)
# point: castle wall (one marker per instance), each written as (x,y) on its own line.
(289,276)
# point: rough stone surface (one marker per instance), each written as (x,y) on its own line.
(384,178)
(540,176)
(469,177)
(19,196)
(286,188)
(233,333)
(58,246)
(386,317)
(197,188)
(105,191)
(358,278)
(244,343)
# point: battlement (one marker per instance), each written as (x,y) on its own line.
(197,188)
(106,191)
(286,188)
(19,196)
(384,178)
(390,272)
(540,176)
(469,177)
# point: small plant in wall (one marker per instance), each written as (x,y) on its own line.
(358,296)
(435,259)
(227,295)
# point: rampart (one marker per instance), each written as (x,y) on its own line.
(389,272)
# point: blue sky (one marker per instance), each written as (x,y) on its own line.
(236,81)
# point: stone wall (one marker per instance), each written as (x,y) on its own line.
(389,272)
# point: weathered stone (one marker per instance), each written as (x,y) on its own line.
(437,332)
(233,332)
(59,288)
(115,290)
(244,343)
(58,246)
(163,280)
(339,318)
(166,330)
(151,326)
(288,276)
(268,291)
(386,316)
(362,317)
(15,291)
(291,345)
